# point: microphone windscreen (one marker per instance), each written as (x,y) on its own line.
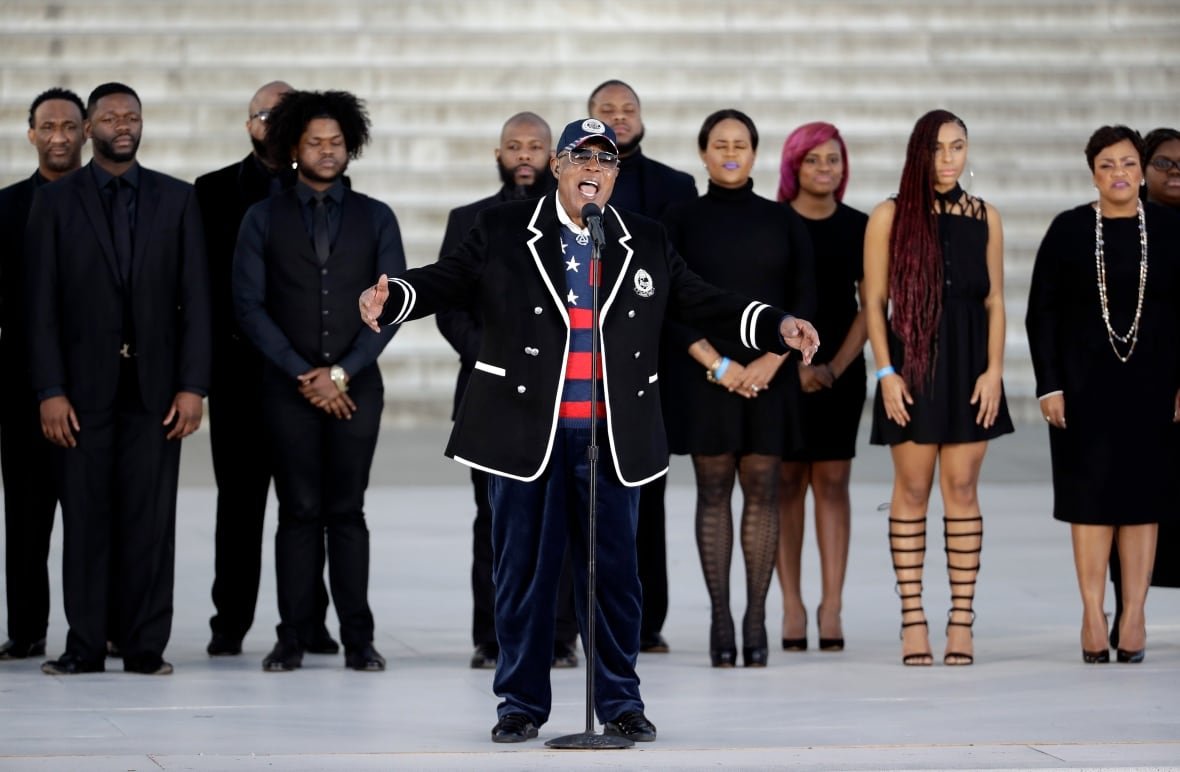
(591,210)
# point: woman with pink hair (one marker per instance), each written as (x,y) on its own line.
(814,174)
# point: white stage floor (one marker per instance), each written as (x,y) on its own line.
(1028,702)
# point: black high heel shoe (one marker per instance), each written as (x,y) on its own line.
(827,644)
(756,654)
(722,645)
(1128,657)
(1100,657)
(797,644)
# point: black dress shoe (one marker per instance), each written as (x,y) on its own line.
(565,654)
(71,664)
(632,725)
(723,657)
(13,649)
(221,645)
(484,657)
(283,658)
(653,644)
(514,728)
(322,642)
(147,666)
(366,659)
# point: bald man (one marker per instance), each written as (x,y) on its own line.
(240,451)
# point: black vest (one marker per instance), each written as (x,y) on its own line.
(314,305)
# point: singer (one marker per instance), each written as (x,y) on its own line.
(528,268)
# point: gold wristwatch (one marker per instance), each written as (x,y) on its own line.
(339,377)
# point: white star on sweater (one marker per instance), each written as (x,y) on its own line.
(572,264)
(571,298)
(562,242)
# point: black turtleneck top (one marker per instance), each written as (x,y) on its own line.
(740,241)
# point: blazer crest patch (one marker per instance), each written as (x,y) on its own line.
(643,284)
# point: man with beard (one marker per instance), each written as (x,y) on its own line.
(646,187)
(533,405)
(119,340)
(522,160)
(30,493)
(236,433)
(303,255)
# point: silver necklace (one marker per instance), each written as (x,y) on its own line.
(1132,336)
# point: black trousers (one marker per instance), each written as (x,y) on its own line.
(30,500)
(651,548)
(321,469)
(241,466)
(483,591)
(118,498)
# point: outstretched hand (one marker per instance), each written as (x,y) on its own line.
(372,302)
(800,334)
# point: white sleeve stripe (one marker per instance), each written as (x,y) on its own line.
(749,318)
(754,324)
(409,298)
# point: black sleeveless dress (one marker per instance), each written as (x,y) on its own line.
(942,412)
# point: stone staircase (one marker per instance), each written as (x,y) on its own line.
(1031,79)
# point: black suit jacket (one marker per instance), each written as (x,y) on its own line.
(76,300)
(510,268)
(224,196)
(15,202)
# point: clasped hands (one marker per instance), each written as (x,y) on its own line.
(317,387)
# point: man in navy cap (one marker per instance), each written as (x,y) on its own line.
(527,413)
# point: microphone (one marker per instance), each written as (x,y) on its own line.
(592,216)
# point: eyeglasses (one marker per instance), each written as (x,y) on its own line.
(1165,165)
(582,156)
(262,115)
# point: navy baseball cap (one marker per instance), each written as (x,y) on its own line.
(582,130)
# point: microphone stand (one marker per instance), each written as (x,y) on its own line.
(589,739)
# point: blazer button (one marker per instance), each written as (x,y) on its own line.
(631,314)
(521,389)
(324,271)
(639,393)
(637,355)
(327,355)
(325,333)
(537,310)
(531,351)
(325,292)
(326,312)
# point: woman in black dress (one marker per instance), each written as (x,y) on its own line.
(814,174)
(1103,316)
(1162,174)
(728,407)
(935,254)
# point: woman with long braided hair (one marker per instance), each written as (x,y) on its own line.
(934,263)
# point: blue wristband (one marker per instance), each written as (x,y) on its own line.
(719,373)
(886,370)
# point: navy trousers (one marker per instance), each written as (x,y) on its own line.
(532,522)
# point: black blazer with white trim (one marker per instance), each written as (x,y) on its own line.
(510,268)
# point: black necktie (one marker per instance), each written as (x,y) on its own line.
(121,227)
(323,241)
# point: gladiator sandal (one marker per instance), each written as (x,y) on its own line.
(962,566)
(908,550)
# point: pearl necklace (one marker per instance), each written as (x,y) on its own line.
(1132,336)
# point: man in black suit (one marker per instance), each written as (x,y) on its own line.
(522,160)
(527,415)
(30,494)
(237,436)
(303,255)
(644,186)
(119,341)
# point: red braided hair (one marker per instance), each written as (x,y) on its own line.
(915,256)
